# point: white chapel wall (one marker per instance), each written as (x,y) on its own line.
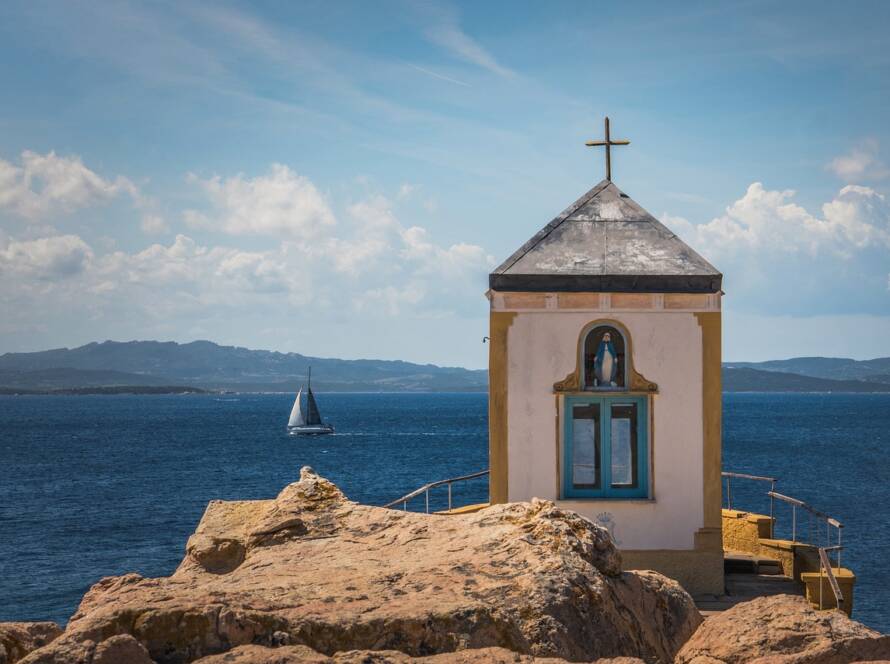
(666,346)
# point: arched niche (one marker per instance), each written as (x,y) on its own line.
(589,340)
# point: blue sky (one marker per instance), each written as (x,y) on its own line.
(338,178)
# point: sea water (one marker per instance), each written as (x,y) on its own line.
(92,486)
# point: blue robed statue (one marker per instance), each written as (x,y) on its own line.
(605,363)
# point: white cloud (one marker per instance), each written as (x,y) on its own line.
(153,224)
(44,259)
(770,222)
(281,203)
(861,163)
(45,184)
(406,190)
(366,255)
(367,266)
(779,257)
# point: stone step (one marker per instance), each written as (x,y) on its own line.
(756,585)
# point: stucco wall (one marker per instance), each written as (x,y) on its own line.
(542,349)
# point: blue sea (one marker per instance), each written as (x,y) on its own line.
(92,486)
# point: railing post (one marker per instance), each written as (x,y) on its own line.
(405,506)
(729,491)
(839,549)
(772,518)
(449,496)
(794,523)
(821,567)
(427,495)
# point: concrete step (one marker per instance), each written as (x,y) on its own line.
(757,585)
(744,586)
(745,563)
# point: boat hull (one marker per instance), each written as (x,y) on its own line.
(310,430)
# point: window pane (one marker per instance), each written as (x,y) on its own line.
(586,447)
(623,439)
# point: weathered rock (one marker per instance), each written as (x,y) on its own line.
(312,568)
(119,649)
(17,639)
(782,629)
(305,655)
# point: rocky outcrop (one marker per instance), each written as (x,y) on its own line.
(311,568)
(17,639)
(783,629)
(305,655)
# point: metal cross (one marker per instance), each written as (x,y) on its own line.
(608,143)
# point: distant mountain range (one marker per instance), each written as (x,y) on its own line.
(154,366)
(206,365)
(744,379)
(808,374)
(831,368)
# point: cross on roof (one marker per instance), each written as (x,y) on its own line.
(608,143)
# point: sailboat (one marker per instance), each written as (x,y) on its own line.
(309,423)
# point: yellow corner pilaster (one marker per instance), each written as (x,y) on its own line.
(499,323)
(712,409)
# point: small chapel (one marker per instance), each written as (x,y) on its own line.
(605,395)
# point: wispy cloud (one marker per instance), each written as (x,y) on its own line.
(439,76)
(685,197)
(443,29)
(153,224)
(861,163)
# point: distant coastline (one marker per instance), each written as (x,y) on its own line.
(116,389)
(147,390)
(203,367)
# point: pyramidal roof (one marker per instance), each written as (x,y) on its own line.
(606,242)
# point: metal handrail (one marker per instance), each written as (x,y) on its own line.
(745,476)
(829,521)
(432,485)
(809,508)
(795,503)
(759,478)
(825,564)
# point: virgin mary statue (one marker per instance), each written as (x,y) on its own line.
(605,364)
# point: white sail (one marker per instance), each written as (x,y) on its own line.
(296,413)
